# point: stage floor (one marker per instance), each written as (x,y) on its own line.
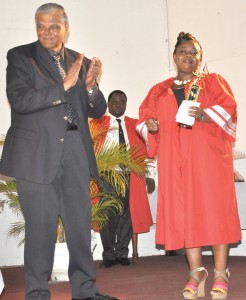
(153,277)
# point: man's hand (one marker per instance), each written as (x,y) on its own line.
(93,73)
(73,73)
(150,183)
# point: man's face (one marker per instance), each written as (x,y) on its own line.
(51,30)
(117,105)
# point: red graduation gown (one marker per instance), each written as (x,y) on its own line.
(196,193)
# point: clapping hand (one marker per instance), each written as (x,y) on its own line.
(93,73)
(73,73)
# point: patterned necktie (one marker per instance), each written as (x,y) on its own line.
(71,118)
(122,140)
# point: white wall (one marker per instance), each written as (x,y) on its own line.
(135,40)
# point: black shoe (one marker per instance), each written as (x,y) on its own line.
(98,296)
(170,253)
(123,261)
(107,263)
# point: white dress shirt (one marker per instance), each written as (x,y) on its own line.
(113,133)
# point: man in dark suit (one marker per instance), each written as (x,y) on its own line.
(52,91)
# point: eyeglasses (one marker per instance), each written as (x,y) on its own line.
(51,29)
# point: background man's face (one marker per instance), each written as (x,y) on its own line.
(117,105)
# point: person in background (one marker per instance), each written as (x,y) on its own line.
(136,217)
(151,192)
(52,91)
(196,194)
(151,187)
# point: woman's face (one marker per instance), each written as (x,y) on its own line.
(188,57)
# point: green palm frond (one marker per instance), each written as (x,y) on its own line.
(138,162)
(17,230)
(116,162)
(9,189)
(8,186)
(97,132)
(14,203)
(101,210)
(112,156)
(2,138)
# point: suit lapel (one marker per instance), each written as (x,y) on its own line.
(68,58)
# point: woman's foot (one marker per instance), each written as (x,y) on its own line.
(195,287)
(220,287)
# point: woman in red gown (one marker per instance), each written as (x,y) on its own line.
(196,198)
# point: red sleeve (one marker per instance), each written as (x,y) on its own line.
(148,110)
(223,110)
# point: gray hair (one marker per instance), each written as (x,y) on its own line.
(51,7)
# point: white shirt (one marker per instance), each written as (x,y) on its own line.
(113,132)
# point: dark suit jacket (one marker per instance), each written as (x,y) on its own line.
(35,139)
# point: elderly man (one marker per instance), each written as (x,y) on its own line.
(52,92)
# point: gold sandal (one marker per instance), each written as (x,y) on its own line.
(220,289)
(193,290)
